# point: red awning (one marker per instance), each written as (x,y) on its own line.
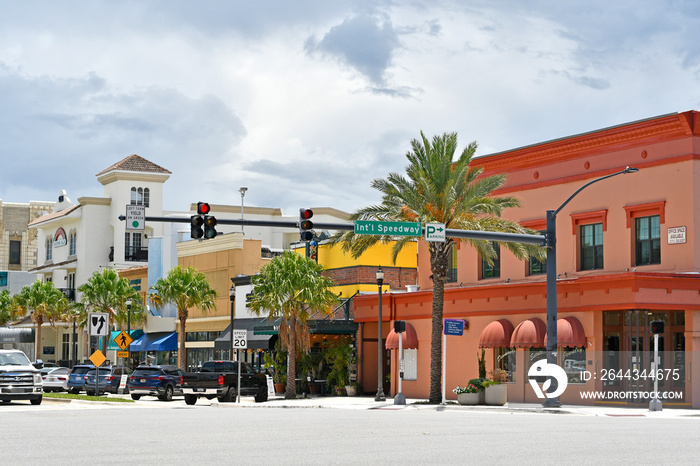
(408,341)
(529,334)
(569,333)
(497,334)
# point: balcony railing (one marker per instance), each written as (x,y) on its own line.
(136,254)
(69,293)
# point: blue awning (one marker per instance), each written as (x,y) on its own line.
(135,334)
(158,341)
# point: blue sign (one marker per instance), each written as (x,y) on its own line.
(453,327)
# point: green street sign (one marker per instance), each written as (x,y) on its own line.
(371,227)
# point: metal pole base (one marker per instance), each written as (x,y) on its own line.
(552,403)
(380,396)
(655,405)
(400,399)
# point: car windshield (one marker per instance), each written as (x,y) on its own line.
(14,359)
(146,373)
(102,372)
(80,370)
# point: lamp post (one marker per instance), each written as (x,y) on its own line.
(380,389)
(128,329)
(232,297)
(551,238)
(242,190)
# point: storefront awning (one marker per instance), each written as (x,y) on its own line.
(408,341)
(158,341)
(111,345)
(497,334)
(16,335)
(569,333)
(529,334)
(254,341)
(316,327)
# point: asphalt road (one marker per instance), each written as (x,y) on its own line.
(208,433)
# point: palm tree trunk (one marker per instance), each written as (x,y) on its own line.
(436,343)
(181,355)
(291,391)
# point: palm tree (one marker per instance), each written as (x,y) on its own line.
(106,292)
(45,302)
(290,286)
(185,288)
(439,189)
(8,312)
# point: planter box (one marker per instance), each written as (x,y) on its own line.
(350,390)
(496,395)
(468,398)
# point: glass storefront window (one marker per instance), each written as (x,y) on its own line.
(573,360)
(534,355)
(505,359)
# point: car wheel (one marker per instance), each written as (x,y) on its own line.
(36,401)
(89,393)
(135,397)
(190,399)
(73,391)
(168,395)
(229,396)
(261,396)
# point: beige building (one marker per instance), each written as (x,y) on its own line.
(18,244)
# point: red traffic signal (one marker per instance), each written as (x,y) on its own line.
(203,208)
(657,326)
(305,225)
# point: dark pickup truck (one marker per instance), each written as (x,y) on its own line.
(219,379)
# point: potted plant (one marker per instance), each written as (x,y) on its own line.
(276,364)
(468,395)
(479,384)
(495,389)
(339,355)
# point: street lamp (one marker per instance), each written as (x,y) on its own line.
(380,390)
(232,297)
(242,190)
(551,238)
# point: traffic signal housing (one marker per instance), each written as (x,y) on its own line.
(196,223)
(209,224)
(203,208)
(306,226)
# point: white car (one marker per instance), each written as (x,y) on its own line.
(56,380)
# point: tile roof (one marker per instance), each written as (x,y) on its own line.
(135,163)
(53,215)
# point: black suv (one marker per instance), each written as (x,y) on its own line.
(160,381)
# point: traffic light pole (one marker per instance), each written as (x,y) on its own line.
(538,240)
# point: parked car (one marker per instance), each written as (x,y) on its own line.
(56,380)
(109,379)
(19,378)
(46,367)
(163,381)
(219,379)
(75,378)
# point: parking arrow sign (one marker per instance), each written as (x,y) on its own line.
(435,232)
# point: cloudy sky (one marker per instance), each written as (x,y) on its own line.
(305,102)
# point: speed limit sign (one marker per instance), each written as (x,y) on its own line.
(240,339)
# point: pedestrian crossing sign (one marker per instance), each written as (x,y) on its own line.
(123,340)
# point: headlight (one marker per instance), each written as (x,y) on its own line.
(37,379)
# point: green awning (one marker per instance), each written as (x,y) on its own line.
(316,326)
(135,334)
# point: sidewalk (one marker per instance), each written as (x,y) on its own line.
(361,402)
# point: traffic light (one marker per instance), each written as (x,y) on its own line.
(306,226)
(202,225)
(399,326)
(196,222)
(657,326)
(209,224)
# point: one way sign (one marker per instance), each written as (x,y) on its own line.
(435,232)
(99,324)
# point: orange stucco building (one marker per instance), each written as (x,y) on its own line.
(628,252)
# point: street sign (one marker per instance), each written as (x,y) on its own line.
(122,354)
(435,232)
(123,340)
(98,324)
(240,339)
(135,217)
(371,227)
(98,358)
(454,327)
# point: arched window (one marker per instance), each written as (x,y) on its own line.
(133,196)
(146,195)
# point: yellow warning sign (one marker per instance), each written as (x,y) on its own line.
(123,340)
(98,358)
(122,354)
